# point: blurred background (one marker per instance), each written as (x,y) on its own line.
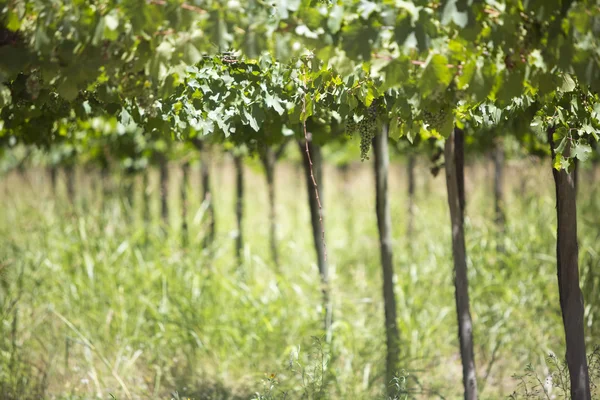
(103,294)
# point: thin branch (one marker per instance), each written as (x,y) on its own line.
(280,150)
(383,56)
(422,63)
(166,32)
(490,365)
(312,175)
(185,6)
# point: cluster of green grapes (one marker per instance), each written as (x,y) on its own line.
(145,100)
(33,85)
(366,127)
(53,104)
(435,120)
(351,126)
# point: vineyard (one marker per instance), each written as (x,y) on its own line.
(310,199)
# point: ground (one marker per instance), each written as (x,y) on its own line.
(95,301)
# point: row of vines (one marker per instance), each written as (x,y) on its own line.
(135,79)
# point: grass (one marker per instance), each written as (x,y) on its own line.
(95,301)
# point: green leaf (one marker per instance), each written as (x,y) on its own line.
(5,96)
(581,151)
(369,96)
(437,75)
(177,107)
(273,102)
(511,86)
(403,29)
(281,8)
(99,32)
(41,39)
(191,53)
(558,159)
(394,128)
(336,15)
(590,130)
(451,14)
(112,21)
(294,114)
(561,146)
(448,125)
(484,79)
(308,109)
(258,114)
(464,78)
(67,89)
(366,8)
(396,74)
(250,120)
(13,22)
(546,83)
(204,126)
(561,162)
(358,40)
(423,41)
(596,112)
(411,134)
(568,84)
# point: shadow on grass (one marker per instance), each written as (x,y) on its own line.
(209,390)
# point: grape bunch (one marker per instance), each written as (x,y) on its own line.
(367,128)
(145,98)
(54,104)
(437,119)
(33,85)
(351,126)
